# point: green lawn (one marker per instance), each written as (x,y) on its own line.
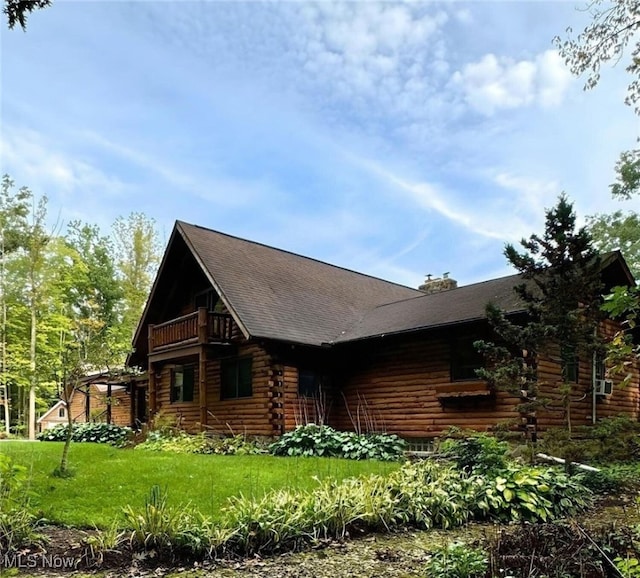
(108,478)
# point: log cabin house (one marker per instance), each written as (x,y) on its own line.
(240,337)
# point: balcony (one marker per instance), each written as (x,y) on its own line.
(197,328)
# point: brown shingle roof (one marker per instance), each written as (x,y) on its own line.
(280,295)
(459,305)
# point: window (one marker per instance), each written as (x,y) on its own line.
(310,383)
(600,369)
(182,381)
(235,378)
(465,360)
(207,299)
(61,412)
(569,364)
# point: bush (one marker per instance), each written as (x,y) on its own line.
(611,440)
(613,479)
(531,494)
(315,440)
(99,433)
(17,521)
(477,453)
(431,494)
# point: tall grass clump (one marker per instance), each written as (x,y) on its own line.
(158,526)
(17,520)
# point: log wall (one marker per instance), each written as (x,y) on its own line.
(625,400)
(405,388)
(248,415)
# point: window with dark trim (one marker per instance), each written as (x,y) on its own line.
(465,359)
(569,364)
(182,382)
(235,378)
(600,369)
(311,383)
(61,412)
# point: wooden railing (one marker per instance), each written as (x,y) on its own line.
(201,326)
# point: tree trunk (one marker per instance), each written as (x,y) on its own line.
(64,460)
(33,381)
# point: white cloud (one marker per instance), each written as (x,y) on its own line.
(495,83)
(31,158)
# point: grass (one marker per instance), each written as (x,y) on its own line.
(106,478)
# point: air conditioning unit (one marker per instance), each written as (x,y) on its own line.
(603,386)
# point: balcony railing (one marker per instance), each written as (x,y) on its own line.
(201,326)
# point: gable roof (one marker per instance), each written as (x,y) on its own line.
(280,295)
(55,406)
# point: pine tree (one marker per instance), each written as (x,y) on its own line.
(561,297)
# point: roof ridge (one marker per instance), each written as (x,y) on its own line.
(449,291)
(306,257)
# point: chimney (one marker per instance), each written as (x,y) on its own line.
(438,285)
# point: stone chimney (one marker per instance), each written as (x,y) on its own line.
(438,285)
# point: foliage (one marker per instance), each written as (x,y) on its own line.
(613,479)
(160,526)
(16,10)
(430,494)
(521,493)
(17,520)
(100,433)
(315,440)
(477,453)
(628,567)
(457,560)
(183,443)
(137,254)
(560,292)
(623,303)
(424,494)
(618,230)
(611,31)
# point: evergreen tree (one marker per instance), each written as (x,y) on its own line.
(561,297)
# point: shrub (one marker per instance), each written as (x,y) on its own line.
(457,560)
(531,494)
(613,479)
(613,439)
(17,521)
(431,494)
(100,433)
(477,453)
(315,440)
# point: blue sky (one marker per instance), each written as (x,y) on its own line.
(397,139)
